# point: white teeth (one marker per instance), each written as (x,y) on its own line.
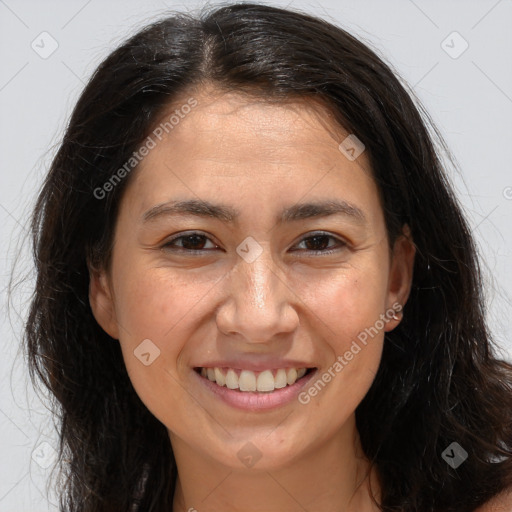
(280,379)
(265,381)
(291,376)
(231,379)
(219,377)
(247,381)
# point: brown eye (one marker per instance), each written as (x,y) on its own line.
(319,243)
(193,242)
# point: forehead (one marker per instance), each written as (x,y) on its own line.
(233,147)
(227,124)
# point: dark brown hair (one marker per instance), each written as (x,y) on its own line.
(439,380)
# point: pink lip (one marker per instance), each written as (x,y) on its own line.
(253,400)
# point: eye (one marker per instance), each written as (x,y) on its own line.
(195,242)
(319,243)
(192,242)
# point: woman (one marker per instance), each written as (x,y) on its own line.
(256,289)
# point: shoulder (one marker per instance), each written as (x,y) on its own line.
(501,503)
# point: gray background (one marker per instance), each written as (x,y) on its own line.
(469,97)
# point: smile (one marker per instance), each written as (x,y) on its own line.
(254,391)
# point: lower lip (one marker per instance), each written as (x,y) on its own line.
(257,401)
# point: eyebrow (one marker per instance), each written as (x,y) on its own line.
(228,214)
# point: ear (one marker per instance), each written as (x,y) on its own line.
(400,275)
(101,301)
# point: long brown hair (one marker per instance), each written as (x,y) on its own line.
(439,381)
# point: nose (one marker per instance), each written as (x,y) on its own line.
(260,304)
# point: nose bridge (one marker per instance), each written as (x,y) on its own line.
(259,300)
(259,282)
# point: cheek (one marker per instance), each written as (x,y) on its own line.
(151,308)
(154,302)
(349,310)
(347,302)
(160,306)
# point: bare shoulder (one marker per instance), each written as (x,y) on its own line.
(501,503)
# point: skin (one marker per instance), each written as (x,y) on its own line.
(247,154)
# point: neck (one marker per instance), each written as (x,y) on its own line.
(332,476)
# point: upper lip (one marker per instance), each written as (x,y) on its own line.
(255,366)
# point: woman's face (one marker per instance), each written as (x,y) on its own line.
(238,280)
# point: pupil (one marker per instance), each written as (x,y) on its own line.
(316,244)
(197,240)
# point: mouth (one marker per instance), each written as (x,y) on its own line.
(254,391)
(247,381)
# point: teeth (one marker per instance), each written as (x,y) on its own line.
(231,379)
(265,381)
(280,379)
(246,380)
(219,377)
(291,376)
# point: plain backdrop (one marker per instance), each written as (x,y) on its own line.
(455,55)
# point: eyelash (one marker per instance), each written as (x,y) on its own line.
(341,244)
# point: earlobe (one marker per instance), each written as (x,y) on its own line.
(400,276)
(102,303)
